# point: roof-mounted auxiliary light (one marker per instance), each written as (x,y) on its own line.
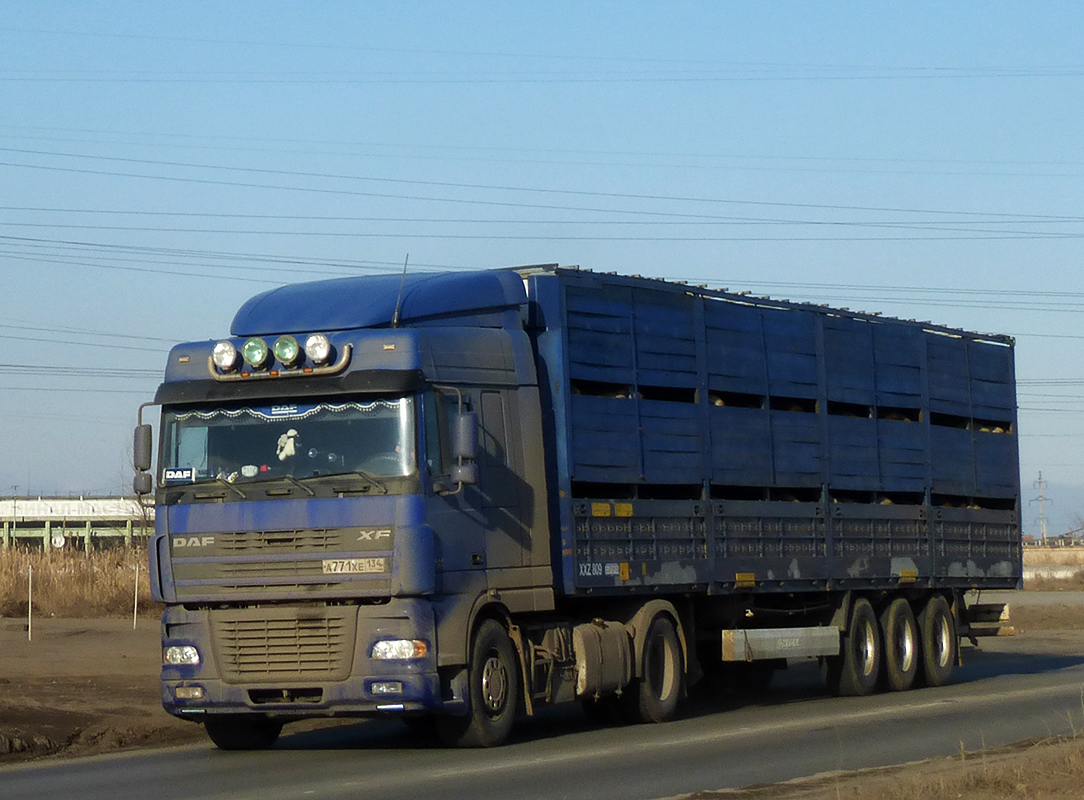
(255,352)
(287,350)
(225,356)
(318,348)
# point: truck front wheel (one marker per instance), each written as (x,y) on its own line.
(654,696)
(241,732)
(857,668)
(493,680)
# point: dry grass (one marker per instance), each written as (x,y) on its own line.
(75,584)
(1050,768)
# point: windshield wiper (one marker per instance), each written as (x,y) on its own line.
(299,484)
(227,484)
(372,481)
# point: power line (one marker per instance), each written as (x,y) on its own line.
(486,187)
(245,144)
(68,371)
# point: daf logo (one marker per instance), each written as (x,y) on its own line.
(193,541)
(374,534)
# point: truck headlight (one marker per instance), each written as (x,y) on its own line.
(399,649)
(225,356)
(255,352)
(177,655)
(318,348)
(287,350)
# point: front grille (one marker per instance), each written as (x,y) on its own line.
(272,645)
(268,569)
(304,541)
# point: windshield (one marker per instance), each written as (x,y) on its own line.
(238,444)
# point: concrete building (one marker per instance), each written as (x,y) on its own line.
(48,523)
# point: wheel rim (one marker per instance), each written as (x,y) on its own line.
(942,641)
(905,646)
(867,649)
(494,685)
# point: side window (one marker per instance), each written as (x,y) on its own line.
(439,408)
(434,455)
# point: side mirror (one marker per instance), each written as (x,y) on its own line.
(142,446)
(142,483)
(465,435)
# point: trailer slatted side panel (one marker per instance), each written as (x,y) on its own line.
(665,339)
(741,443)
(600,344)
(848,360)
(898,353)
(670,433)
(804,447)
(902,455)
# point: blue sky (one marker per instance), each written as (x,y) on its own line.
(160,163)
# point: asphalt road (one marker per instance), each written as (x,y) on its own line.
(1011,689)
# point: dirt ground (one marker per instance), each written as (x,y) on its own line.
(82,686)
(87,686)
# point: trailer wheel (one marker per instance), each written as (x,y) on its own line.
(241,732)
(857,668)
(938,630)
(493,680)
(654,696)
(901,643)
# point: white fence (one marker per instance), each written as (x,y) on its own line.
(49,523)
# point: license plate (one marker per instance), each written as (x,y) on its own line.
(353,566)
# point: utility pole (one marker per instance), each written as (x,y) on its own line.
(1042,516)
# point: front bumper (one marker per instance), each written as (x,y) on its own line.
(296,661)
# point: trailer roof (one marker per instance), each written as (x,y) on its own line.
(745,298)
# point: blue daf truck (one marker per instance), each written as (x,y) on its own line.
(457,497)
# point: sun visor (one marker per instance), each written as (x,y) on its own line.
(370,301)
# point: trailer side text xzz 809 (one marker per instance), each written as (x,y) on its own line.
(462,496)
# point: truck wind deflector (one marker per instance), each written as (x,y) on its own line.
(305,372)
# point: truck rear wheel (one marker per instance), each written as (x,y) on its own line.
(654,696)
(901,643)
(938,630)
(857,668)
(241,732)
(493,680)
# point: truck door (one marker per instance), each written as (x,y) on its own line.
(501,482)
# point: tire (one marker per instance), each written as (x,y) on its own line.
(494,690)
(241,731)
(937,627)
(654,696)
(901,645)
(856,670)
